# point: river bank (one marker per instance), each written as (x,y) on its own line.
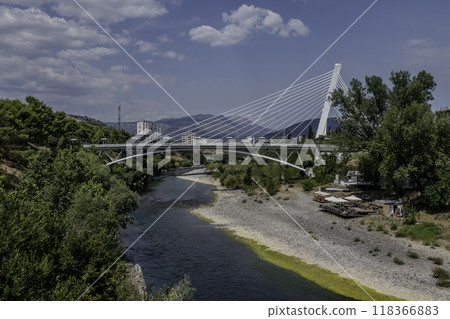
(367,256)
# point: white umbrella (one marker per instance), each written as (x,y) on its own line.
(353,198)
(332,199)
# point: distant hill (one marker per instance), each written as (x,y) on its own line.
(301,128)
(212,126)
(130,127)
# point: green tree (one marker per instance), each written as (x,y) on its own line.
(362,109)
(311,134)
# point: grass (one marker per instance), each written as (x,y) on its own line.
(349,228)
(426,231)
(214,197)
(369,228)
(412,255)
(244,201)
(436,260)
(203,218)
(398,261)
(356,240)
(322,277)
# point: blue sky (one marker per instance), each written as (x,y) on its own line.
(211,55)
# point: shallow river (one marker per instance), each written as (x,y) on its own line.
(220,267)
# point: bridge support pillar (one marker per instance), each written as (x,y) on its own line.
(322,128)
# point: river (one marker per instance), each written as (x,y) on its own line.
(220,267)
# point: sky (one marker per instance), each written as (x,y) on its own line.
(209,55)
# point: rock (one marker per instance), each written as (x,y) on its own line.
(138,281)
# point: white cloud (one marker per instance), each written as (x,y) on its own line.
(87,54)
(414,42)
(173,55)
(33,33)
(154,50)
(112,11)
(243,22)
(145,46)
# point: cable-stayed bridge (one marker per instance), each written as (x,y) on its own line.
(243,130)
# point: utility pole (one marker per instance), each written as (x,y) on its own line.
(119,110)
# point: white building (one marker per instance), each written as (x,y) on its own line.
(147,127)
(188,138)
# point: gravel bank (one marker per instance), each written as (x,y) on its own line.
(267,224)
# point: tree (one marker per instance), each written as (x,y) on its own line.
(311,134)
(362,109)
(407,141)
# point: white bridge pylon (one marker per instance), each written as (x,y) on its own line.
(322,128)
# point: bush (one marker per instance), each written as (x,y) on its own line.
(436,260)
(412,255)
(181,291)
(443,283)
(440,273)
(394,226)
(398,261)
(307,185)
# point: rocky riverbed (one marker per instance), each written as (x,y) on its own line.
(343,246)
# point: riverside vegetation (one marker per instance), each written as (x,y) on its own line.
(61,209)
(389,134)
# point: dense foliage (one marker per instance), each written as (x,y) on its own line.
(59,230)
(24,126)
(403,141)
(60,216)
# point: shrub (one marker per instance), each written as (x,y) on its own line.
(244,201)
(307,185)
(443,283)
(440,273)
(436,260)
(398,261)
(356,240)
(380,228)
(389,254)
(369,228)
(394,226)
(412,255)
(181,291)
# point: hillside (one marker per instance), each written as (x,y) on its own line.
(212,126)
